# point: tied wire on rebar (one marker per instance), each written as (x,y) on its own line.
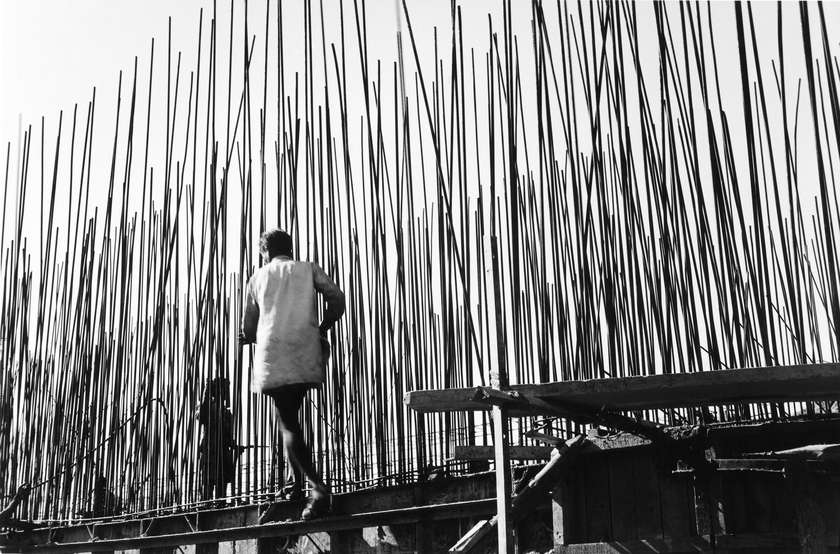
(583,211)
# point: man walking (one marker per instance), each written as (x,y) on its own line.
(280,318)
(217,449)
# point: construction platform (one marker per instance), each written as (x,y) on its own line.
(411,515)
(627,485)
(621,495)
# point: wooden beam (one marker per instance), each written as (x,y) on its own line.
(822,452)
(770,384)
(548,476)
(525,501)
(754,541)
(765,465)
(475,535)
(453,510)
(560,507)
(503,481)
(478,453)
(788,430)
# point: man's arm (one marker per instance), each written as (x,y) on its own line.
(21,495)
(333,296)
(250,318)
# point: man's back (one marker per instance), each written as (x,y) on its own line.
(280,316)
(288,347)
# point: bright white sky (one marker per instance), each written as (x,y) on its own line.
(52,53)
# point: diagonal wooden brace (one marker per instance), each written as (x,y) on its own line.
(581,413)
(526,500)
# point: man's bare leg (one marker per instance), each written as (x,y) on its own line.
(288,401)
(300,458)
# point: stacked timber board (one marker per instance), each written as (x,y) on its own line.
(765,384)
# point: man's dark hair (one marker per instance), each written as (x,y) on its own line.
(275,242)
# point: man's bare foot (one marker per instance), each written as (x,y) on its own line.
(293,494)
(319,504)
(270,514)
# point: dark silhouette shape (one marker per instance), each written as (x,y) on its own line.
(7,521)
(217,451)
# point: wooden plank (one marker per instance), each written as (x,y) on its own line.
(721,518)
(822,452)
(475,535)
(752,542)
(738,434)
(771,384)
(733,439)
(616,441)
(596,444)
(538,487)
(704,506)
(750,465)
(560,508)
(766,465)
(473,453)
(503,480)
(528,498)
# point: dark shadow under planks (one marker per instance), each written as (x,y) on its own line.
(767,515)
(675,500)
(815,499)
(752,502)
(647,495)
(732,501)
(623,496)
(596,478)
(576,517)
